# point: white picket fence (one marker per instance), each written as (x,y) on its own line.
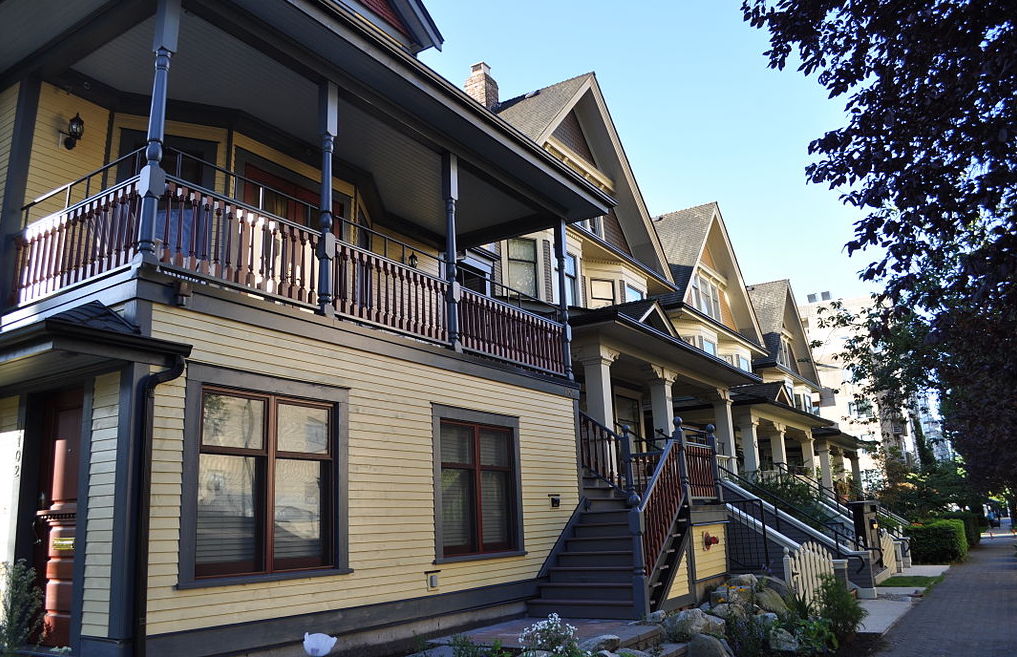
(804,569)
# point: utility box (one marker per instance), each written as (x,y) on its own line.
(866,520)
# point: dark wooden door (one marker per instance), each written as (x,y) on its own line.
(57,511)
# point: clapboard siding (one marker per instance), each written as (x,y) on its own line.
(391,507)
(8,110)
(101,483)
(680,584)
(51,164)
(713,561)
(12,439)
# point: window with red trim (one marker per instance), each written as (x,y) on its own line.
(478,496)
(265,484)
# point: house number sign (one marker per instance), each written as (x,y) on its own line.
(63,544)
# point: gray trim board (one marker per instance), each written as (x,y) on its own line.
(250,636)
(198,375)
(441,412)
(81,521)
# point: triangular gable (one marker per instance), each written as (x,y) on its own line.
(649,312)
(778,316)
(570,133)
(783,397)
(549,112)
(696,238)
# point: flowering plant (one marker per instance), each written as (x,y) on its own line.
(553,635)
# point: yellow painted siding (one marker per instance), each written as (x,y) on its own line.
(52,165)
(8,108)
(712,562)
(680,585)
(102,479)
(391,507)
(12,440)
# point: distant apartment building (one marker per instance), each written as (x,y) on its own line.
(926,409)
(856,413)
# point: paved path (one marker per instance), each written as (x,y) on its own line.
(972,612)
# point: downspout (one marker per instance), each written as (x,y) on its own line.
(142,502)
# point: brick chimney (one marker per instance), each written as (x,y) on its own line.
(481,86)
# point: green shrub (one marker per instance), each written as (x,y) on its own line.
(938,541)
(839,607)
(972,527)
(20,606)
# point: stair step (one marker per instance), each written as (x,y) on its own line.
(598,543)
(583,529)
(609,515)
(619,591)
(582,608)
(620,574)
(599,558)
(607,504)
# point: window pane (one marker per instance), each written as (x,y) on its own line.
(494,507)
(457,511)
(456,443)
(523,277)
(228,537)
(299,498)
(303,429)
(229,421)
(710,347)
(494,447)
(570,264)
(602,290)
(522,250)
(632,294)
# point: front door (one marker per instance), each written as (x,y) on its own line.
(57,510)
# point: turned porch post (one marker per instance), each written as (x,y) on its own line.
(152,184)
(450,190)
(777,447)
(722,419)
(826,474)
(809,455)
(750,446)
(560,246)
(328,114)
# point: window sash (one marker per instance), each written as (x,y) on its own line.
(265,507)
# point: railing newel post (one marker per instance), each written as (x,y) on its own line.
(632,497)
(711,440)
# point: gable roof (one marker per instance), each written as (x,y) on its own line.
(776,310)
(538,113)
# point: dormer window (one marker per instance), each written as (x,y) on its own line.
(706,296)
(594,225)
(785,356)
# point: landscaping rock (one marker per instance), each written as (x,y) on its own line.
(632,652)
(783,641)
(770,600)
(608,642)
(778,585)
(704,645)
(692,622)
(656,617)
(741,595)
(605,653)
(768,619)
(748,579)
(719,596)
(535,653)
(722,610)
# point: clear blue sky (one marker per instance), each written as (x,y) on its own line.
(701,116)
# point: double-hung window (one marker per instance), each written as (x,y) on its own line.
(522,266)
(601,293)
(478,483)
(264,485)
(706,296)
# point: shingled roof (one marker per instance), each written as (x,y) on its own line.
(769,300)
(533,112)
(682,234)
(95,315)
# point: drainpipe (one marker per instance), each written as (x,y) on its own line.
(142,502)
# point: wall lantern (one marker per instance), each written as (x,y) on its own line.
(75,130)
(412,260)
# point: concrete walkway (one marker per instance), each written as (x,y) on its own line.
(973,611)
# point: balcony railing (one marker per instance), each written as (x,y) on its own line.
(210,236)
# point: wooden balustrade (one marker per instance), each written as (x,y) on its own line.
(78,243)
(600,451)
(661,503)
(375,289)
(700,460)
(495,328)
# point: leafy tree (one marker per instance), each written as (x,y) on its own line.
(929,158)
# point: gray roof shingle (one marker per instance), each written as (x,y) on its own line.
(96,315)
(682,234)
(531,113)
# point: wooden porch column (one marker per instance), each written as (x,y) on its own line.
(662,401)
(599,396)
(450,190)
(809,455)
(777,448)
(750,445)
(856,472)
(837,464)
(724,431)
(153,179)
(560,246)
(328,114)
(826,474)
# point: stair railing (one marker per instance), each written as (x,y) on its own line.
(605,454)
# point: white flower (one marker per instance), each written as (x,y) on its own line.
(318,645)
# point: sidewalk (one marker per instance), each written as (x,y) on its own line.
(895,601)
(973,611)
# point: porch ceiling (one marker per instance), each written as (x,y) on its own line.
(406,170)
(27,24)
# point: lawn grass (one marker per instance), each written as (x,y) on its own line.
(912,580)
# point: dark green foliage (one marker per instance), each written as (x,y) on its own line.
(463,646)
(938,541)
(928,157)
(20,607)
(803,619)
(747,635)
(840,608)
(801,496)
(972,526)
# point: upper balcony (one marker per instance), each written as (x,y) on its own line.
(421,172)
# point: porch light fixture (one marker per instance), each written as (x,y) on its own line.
(75,130)
(412,260)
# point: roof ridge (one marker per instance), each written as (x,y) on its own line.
(659,217)
(515,99)
(776,280)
